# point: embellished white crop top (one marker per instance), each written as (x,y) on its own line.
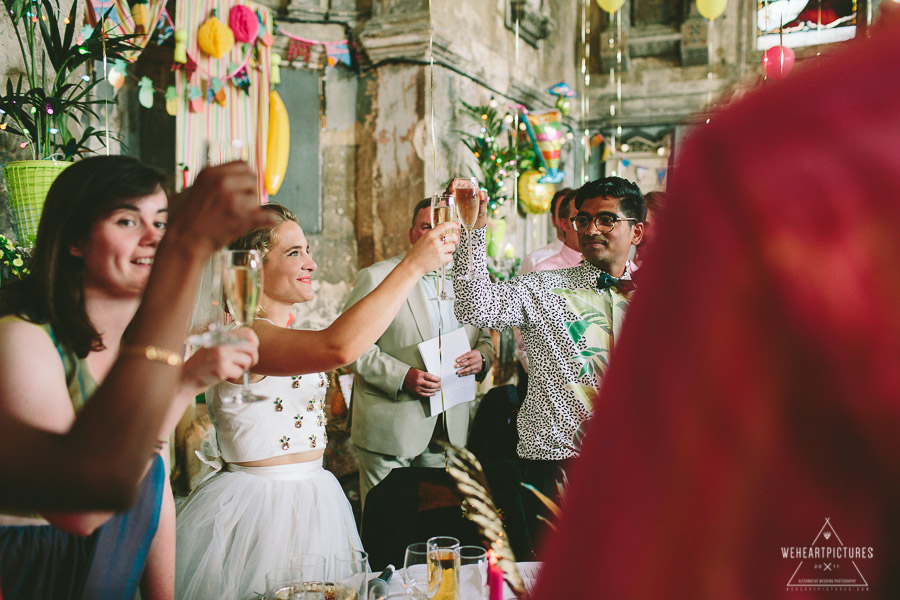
(290,421)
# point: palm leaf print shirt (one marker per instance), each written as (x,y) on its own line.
(568,325)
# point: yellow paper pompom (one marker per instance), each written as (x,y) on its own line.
(215,38)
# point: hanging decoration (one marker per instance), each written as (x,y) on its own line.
(241,79)
(279,144)
(335,52)
(545,130)
(244,24)
(711,9)
(180,46)
(534,194)
(140,13)
(145,92)
(777,62)
(116,74)
(563,93)
(163,31)
(610,6)
(195,99)
(298,49)
(171,101)
(275,69)
(214,37)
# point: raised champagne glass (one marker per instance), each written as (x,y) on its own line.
(465,193)
(443,210)
(241,282)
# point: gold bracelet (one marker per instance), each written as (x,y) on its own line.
(153,353)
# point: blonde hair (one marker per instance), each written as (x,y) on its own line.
(262,239)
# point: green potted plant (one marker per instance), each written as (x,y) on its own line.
(51,104)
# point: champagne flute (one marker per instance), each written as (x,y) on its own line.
(443,210)
(241,281)
(443,566)
(465,192)
(415,571)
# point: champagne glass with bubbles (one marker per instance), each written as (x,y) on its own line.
(443,210)
(466,199)
(241,283)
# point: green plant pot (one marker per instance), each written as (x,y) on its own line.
(27,183)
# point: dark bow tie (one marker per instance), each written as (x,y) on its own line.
(624,286)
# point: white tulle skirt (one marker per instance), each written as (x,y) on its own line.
(247,521)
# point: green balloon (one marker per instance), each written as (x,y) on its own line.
(564,105)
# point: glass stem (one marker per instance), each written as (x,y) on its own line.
(469,252)
(246,383)
(441,282)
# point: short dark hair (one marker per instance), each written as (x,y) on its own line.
(629,195)
(565,203)
(559,195)
(426,203)
(80,196)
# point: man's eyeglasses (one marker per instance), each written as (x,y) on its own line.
(603,222)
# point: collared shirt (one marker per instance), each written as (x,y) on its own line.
(564,259)
(540,254)
(568,326)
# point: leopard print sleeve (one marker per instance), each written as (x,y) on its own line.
(480,302)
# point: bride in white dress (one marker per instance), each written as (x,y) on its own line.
(271,499)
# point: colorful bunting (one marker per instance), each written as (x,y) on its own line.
(298,49)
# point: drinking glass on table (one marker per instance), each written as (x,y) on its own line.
(280,584)
(466,198)
(473,568)
(351,575)
(443,210)
(415,571)
(241,282)
(312,572)
(443,567)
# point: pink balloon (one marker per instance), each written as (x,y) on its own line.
(776,64)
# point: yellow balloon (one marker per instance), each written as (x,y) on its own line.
(711,9)
(278,146)
(534,197)
(610,6)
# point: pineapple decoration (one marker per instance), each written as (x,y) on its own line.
(171,101)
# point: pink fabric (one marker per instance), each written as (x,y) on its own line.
(746,406)
(539,255)
(564,259)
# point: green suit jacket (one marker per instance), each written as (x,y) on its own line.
(384,418)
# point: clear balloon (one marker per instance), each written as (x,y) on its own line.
(711,9)
(610,6)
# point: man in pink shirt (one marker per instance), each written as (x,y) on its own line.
(570,253)
(556,245)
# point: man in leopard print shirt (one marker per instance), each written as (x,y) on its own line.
(569,319)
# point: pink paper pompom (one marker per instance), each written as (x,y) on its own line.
(243,23)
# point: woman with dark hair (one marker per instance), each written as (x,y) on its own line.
(61,344)
(274,500)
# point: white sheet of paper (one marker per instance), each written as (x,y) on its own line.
(456,389)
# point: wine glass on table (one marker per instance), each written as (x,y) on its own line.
(466,198)
(415,572)
(443,210)
(241,282)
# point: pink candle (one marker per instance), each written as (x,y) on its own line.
(495,578)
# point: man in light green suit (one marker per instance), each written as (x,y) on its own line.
(390,426)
